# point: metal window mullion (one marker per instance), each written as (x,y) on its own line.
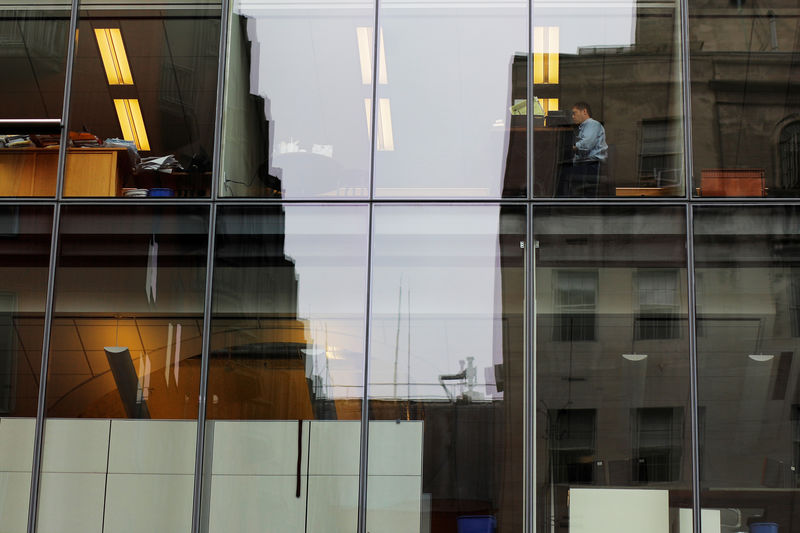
(64,139)
(202,393)
(529,316)
(38,439)
(219,120)
(363,456)
(686,98)
(376,38)
(688,157)
(529,170)
(529,369)
(693,369)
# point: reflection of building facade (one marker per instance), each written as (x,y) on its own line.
(337,289)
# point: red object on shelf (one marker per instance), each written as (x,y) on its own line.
(732,182)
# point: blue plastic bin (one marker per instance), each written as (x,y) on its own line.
(764,527)
(477,524)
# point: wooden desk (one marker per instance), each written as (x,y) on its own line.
(672,190)
(32,171)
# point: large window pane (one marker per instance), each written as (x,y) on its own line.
(296,114)
(748,296)
(613,69)
(24,259)
(745,112)
(124,369)
(446,369)
(451,99)
(612,361)
(34,37)
(286,378)
(143,99)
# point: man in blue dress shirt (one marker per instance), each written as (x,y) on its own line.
(589,152)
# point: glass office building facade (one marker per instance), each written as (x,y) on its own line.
(367,266)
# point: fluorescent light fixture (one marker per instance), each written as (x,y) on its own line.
(112,52)
(364,56)
(761,357)
(545,54)
(364,35)
(130,120)
(634,356)
(385,135)
(552,54)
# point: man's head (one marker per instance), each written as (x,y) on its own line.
(581,112)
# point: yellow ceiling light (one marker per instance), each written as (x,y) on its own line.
(131,122)
(385,134)
(115,60)
(545,54)
(364,35)
(549,104)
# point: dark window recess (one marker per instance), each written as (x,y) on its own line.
(573,445)
(575,306)
(658,314)
(789,154)
(660,153)
(657,444)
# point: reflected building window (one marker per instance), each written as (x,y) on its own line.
(658,315)
(657,438)
(573,445)
(659,154)
(575,305)
(794,303)
(789,154)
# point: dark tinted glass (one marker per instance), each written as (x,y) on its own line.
(34,37)
(745,112)
(612,361)
(446,369)
(607,111)
(125,360)
(748,334)
(143,100)
(286,372)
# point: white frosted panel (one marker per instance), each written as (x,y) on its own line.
(618,511)
(71,503)
(395,448)
(257,447)
(75,445)
(332,504)
(152,446)
(15,490)
(393,504)
(16,444)
(137,503)
(334,447)
(710,520)
(256,504)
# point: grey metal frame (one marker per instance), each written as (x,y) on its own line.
(38,441)
(688,202)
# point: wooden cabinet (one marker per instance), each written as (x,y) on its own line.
(32,171)
(745,182)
